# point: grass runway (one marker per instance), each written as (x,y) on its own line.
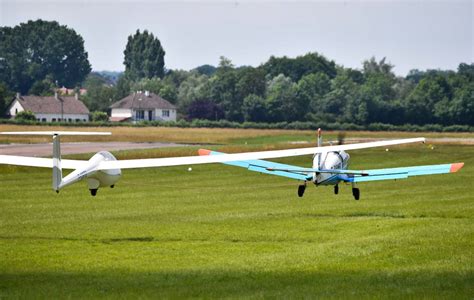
(223,232)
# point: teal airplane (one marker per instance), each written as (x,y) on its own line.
(331,168)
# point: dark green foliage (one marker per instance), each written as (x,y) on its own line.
(5,97)
(36,50)
(204,109)
(206,70)
(295,68)
(25,115)
(254,108)
(99,95)
(99,116)
(144,56)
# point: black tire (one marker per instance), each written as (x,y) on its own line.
(301,190)
(336,189)
(356,193)
(93,192)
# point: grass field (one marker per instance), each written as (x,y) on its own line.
(220,231)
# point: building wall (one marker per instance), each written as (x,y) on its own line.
(16,107)
(156,114)
(121,113)
(159,115)
(57,117)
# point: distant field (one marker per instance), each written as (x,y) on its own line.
(222,232)
(208,135)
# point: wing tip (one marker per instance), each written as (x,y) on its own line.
(456,167)
(203,152)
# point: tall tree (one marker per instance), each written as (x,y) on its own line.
(33,51)
(144,56)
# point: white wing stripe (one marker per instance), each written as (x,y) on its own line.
(192,160)
(39,162)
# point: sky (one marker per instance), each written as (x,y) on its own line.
(410,34)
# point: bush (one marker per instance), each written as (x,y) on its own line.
(99,116)
(25,115)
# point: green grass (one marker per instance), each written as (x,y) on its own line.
(223,232)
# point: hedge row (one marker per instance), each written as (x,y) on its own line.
(282,125)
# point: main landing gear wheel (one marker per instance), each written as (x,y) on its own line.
(356,193)
(336,189)
(301,189)
(93,192)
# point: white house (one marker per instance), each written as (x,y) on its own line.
(142,106)
(51,109)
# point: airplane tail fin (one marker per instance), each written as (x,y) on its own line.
(57,170)
(320,138)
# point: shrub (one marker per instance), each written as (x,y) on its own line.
(25,115)
(99,116)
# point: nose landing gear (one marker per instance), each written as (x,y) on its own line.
(93,192)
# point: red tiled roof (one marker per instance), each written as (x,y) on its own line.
(52,105)
(142,101)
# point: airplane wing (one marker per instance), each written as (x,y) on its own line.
(39,162)
(402,173)
(263,166)
(192,160)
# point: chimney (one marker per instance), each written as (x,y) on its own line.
(18,95)
(76,95)
(147,93)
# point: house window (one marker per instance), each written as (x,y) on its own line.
(140,115)
(78,120)
(16,111)
(69,120)
(53,120)
(150,115)
(165,113)
(43,120)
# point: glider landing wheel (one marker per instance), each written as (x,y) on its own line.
(112,186)
(93,192)
(336,189)
(301,189)
(356,193)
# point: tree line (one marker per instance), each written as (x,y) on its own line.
(307,88)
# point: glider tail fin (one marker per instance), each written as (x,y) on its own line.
(57,170)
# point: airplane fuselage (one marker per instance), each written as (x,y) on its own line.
(329,161)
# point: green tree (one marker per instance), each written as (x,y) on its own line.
(250,81)
(281,104)
(195,87)
(33,51)
(295,68)
(45,87)
(99,95)
(5,94)
(144,56)
(311,90)
(254,108)
(224,90)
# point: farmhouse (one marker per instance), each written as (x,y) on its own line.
(141,106)
(51,109)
